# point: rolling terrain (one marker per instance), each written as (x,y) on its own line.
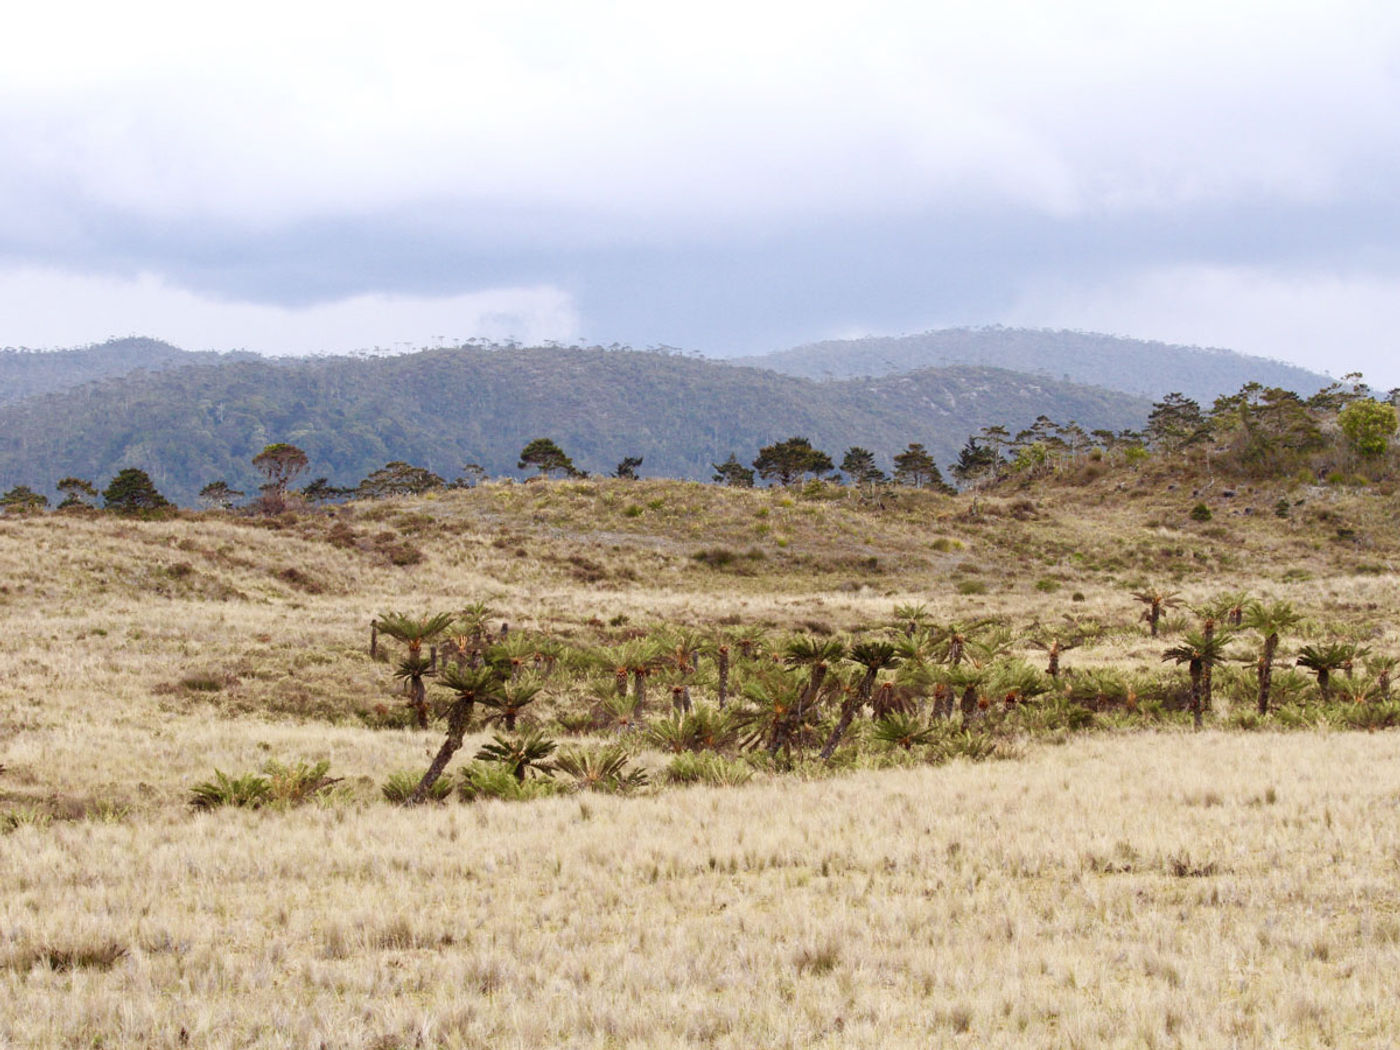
(1135,366)
(1106,879)
(442,409)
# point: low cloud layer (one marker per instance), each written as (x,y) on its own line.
(730,177)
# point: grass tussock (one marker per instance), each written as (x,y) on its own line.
(665,874)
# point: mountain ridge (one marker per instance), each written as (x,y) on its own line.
(1144,368)
(443,408)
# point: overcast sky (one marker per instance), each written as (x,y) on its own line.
(724,177)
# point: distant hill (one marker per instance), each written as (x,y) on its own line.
(443,408)
(27,373)
(1133,366)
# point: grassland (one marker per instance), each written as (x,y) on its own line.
(1141,885)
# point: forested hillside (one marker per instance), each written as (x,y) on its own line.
(444,408)
(1135,366)
(27,373)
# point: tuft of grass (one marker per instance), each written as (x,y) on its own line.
(706,767)
(401,784)
(99,953)
(248,791)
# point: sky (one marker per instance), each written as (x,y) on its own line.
(723,177)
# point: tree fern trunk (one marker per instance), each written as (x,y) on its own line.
(1266,672)
(848,714)
(419,700)
(457,721)
(1207,677)
(722,670)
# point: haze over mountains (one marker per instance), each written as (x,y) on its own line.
(191,418)
(1134,366)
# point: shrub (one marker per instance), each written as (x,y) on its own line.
(401,784)
(486,780)
(277,785)
(707,767)
(604,769)
(249,790)
(1200,512)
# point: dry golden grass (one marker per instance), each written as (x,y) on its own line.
(1141,889)
(1150,890)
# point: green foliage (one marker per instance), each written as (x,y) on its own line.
(22,500)
(249,790)
(1368,425)
(1200,512)
(544,455)
(132,492)
(278,785)
(600,769)
(914,466)
(790,460)
(1176,423)
(398,479)
(733,473)
(708,768)
(904,731)
(481,405)
(219,494)
(280,464)
(401,785)
(77,492)
(480,781)
(859,465)
(627,468)
(521,755)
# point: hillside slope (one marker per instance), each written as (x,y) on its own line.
(30,373)
(1135,366)
(443,408)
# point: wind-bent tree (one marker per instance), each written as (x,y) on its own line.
(77,493)
(1198,652)
(280,463)
(874,657)
(733,473)
(22,500)
(473,474)
(398,478)
(132,492)
(1270,621)
(627,469)
(218,494)
(1157,602)
(790,460)
(320,490)
(544,455)
(468,685)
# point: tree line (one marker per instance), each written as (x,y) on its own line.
(1341,431)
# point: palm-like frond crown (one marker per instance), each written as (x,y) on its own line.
(412,630)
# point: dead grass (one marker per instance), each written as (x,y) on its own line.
(1141,889)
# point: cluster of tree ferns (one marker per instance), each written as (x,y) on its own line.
(727,701)
(1340,432)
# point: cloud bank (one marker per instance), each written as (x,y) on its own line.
(726,176)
